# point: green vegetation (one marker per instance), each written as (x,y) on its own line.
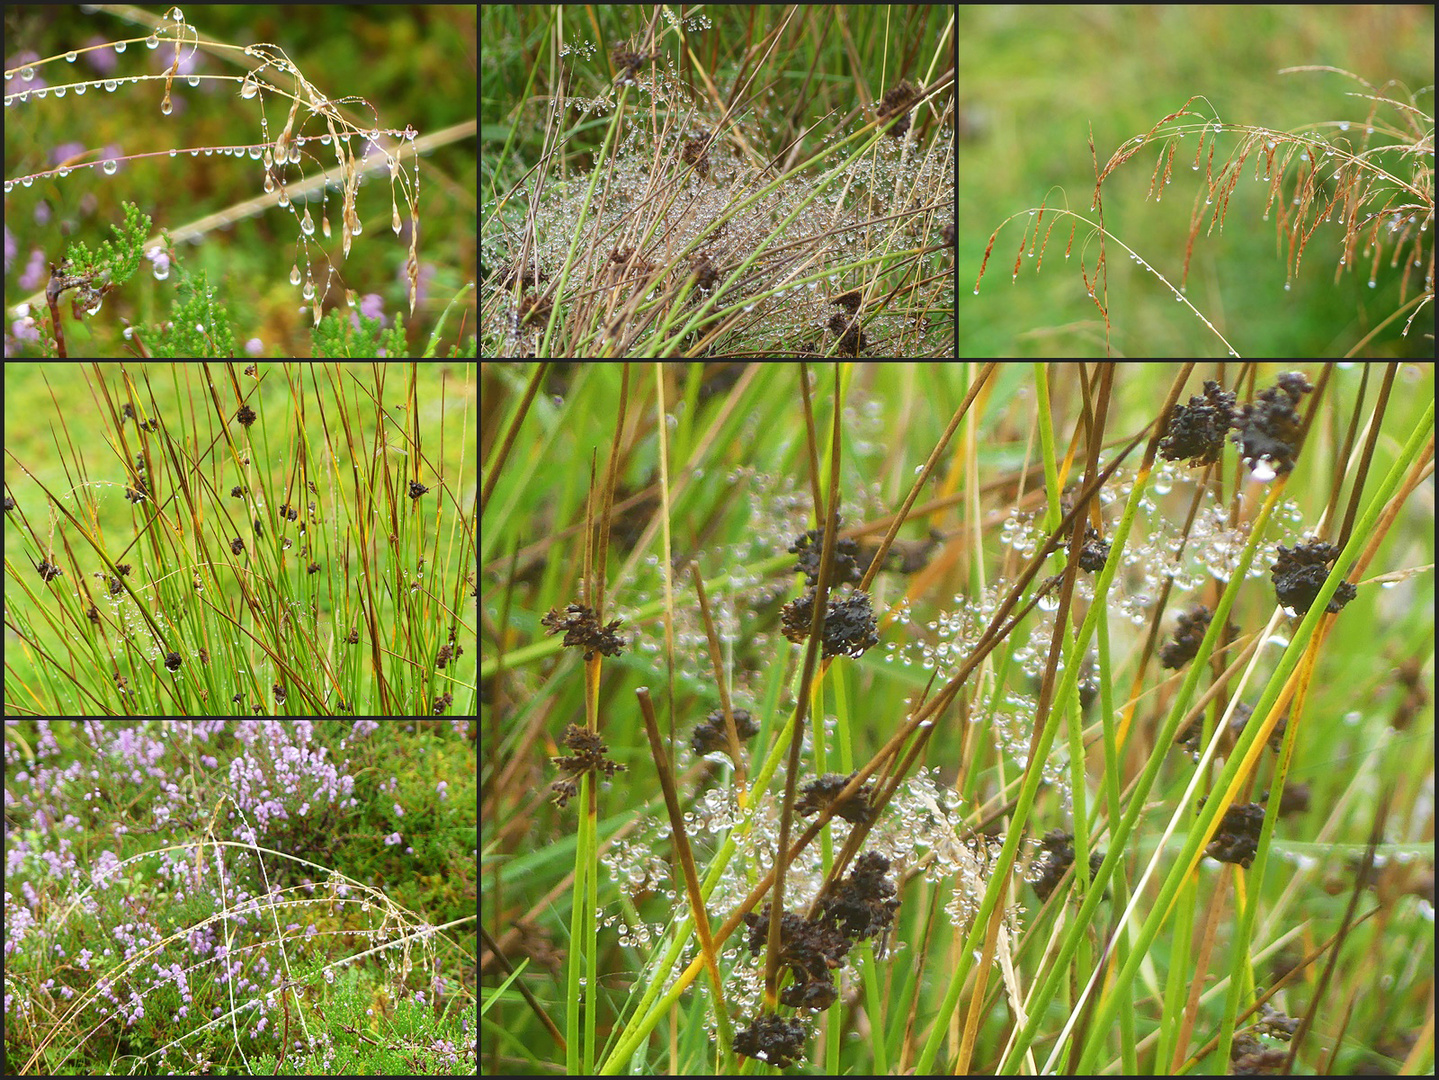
(170,558)
(310,888)
(1116,760)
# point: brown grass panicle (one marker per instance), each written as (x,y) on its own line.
(687,237)
(315,128)
(1373,178)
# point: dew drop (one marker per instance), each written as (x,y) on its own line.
(395,221)
(173,151)
(119,46)
(307,223)
(110,85)
(27,73)
(248,89)
(152,42)
(165,106)
(177,15)
(295,274)
(308,292)
(162,269)
(358,227)
(269,183)
(193,80)
(62,173)
(325,226)
(70,57)
(284,199)
(110,167)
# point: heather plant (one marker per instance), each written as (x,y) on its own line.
(664,216)
(279,540)
(1354,193)
(1084,726)
(310,151)
(238,897)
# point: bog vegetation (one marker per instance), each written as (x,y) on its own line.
(1082,723)
(274,540)
(692,197)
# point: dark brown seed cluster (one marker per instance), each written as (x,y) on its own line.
(137,493)
(1196,431)
(709,736)
(451,651)
(581,627)
(628,62)
(443,702)
(590,756)
(535,309)
(851,338)
(849,629)
(847,300)
(1250,1057)
(236,493)
(705,272)
(48,571)
(313,568)
(772,1039)
(897,102)
(1095,552)
(246,415)
(818,794)
(172,661)
(1057,857)
(696,153)
(9,504)
(1188,635)
(237,545)
(810,548)
(1237,839)
(1269,430)
(861,906)
(1298,576)
(288,513)
(279,692)
(353,637)
(526,276)
(417,489)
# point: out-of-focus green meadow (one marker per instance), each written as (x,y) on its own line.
(1032,81)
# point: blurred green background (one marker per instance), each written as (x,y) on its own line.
(416,64)
(1032,79)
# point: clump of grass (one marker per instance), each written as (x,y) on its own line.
(289,541)
(1357,191)
(975,837)
(692,233)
